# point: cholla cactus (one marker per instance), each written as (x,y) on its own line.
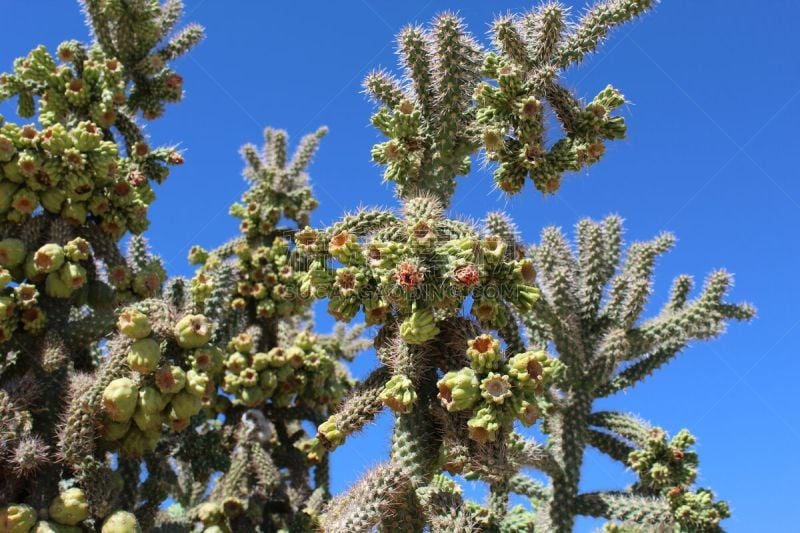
(456,98)
(277,373)
(85,332)
(121,389)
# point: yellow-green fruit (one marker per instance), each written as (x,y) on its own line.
(208,359)
(69,507)
(197,382)
(121,522)
(138,442)
(152,401)
(113,431)
(77,249)
(73,275)
(170,379)
(119,399)
(192,331)
(185,405)
(17,518)
(144,355)
(147,421)
(134,324)
(48,258)
(43,526)
(209,513)
(12,252)
(252,396)
(55,287)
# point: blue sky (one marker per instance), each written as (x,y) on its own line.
(710,155)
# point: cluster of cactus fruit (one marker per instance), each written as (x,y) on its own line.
(418,269)
(173,377)
(67,510)
(133,402)
(69,167)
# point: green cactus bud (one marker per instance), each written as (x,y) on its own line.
(77,249)
(525,271)
(148,281)
(242,343)
(121,522)
(53,200)
(207,359)
(17,518)
(119,276)
(198,255)
(69,507)
(496,388)
(12,252)
(144,355)
(7,307)
(7,190)
(7,149)
(531,368)
(484,353)
(493,248)
(260,361)
(197,382)
(134,324)
(147,421)
(268,381)
(422,235)
(151,400)
(26,295)
(528,413)
(119,399)
(349,280)
(44,526)
(697,511)
(5,278)
(484,425)
(399,394)
(526,296)
(192,331)
(295,357)
(342,309)
(138,442)
(73,275)
(210,513)
(33,319)
(329,434)
(419,328)
(185,405)
(344,247)
(56,288)
(75,212)
(236,362)
(459,390)
(385,255)
(307,238)
(48,258)
(251,396)
(170,379)
(231,383)
(114,431)
(485,310)
(376,311)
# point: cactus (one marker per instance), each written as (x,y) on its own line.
(122,390)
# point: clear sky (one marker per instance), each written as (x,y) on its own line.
(711,155)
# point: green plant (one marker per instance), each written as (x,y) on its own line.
(130,401)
